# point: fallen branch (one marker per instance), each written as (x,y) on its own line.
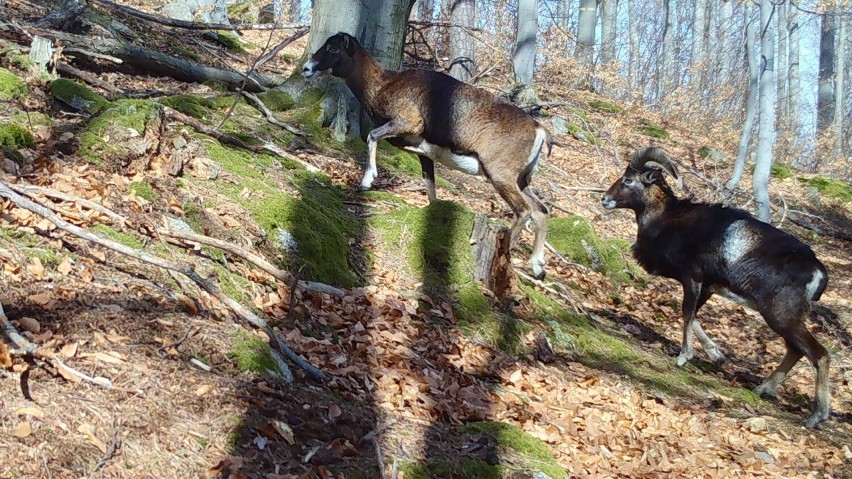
(230,140)
(187,271)
(172,22)
(50,193)
(252,258)
(574,302)
(68,70)
(269,116)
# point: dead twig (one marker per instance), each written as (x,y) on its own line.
(68,70)
(277,48)
(188,271)
(230,140)
(114,445)
(269,116)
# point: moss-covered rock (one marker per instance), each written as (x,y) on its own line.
(77,96)
(574,237)
(143,190)
(252,354)
(653,130)
(581,134)
(15,136)
(191,105)
(123,131)
(277,100)
(830,187)
(605,106)
(227,39)
(11,87)
(713,154)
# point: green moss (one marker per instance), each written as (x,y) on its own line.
(143,190)
(241,11)
(11,87)
(32,118)
(574,237)
(117,130)
(227,39)
(605,106)
(233,285)
(830,187)
(277,100)
(653,130)
(192,215)
(77,96)
(317,217)
(118,236)
(508,436)
(21,62)
(463,469)
(252,354)
(194,106)
(581,134)
(185,52)
(777,170)
(15,136)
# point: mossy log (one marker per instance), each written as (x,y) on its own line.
(492,259)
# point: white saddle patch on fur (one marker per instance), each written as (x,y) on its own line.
(738,240)
(813,284)
(445,156)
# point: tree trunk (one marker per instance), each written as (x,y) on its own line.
(586,32)
(609,15)
(523,62)
(698,27)
(492,258)
(783,39)
(666,66)
(766,126)
(724,36)
(825,91)
(462,51)
(635,55)
(839,86)
(423,9)
(563,13)
(751,103)
(379,25)
(793,88)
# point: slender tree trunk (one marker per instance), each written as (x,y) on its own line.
(586,32)
(751,103)
(664,82)
(839,72)
(825,91)
(423,9)
(635,55)
(698,27)
(793,88)
(524,59)
(766,126)
(783,41)
(462,51)
(563,13)
(609,16)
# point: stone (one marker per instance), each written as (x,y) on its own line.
(559,125)
(756,424)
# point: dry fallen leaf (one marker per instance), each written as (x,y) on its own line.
(22,430)
(42,298)
(29,411)
(35,267)
(30,325)
(284,430)
(69,350)
(203,390)
(334,411)
(89,431)
(5,358)
(65,266)
(66,372)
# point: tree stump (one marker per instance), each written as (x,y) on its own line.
(493,263)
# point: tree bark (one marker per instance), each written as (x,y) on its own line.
(698,31)
(462,47)
(492,258)
(839,72)
(635,54)
(793,88)
(664,82)
(586,32)
(751,104)
(524,60)
(783,41)
(825,90)
(609,16)
(766,126)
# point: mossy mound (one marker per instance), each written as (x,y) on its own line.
(252,354)
(574,237)
(15,136)
(227,39)
(120,132)
(581,134)
(712,153)
(11,87)
(31,118)
(77,96)
(277,100)
(191,105)
(605,106)
(777,170)
(830,187)
(515,454)
(653,130)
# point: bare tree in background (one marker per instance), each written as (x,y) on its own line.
(586,23)
(766,126)
(793,83)
(839,71)
(423,9)
(751,104)
(609,16)
(782,96)
(462,47)
(825,90)
(698,31)
(563,12)
(664,82)
(524,59)
(635,53)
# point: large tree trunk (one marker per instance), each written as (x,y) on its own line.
(380,26)
(462,51)
(586,32)
(635,55)
(523,62)
(766,126)
(698,27)
(563,13)
(424,9)
(825,91)
(751,103)
(793,88)
(783,41)
(609,15)
(838,85)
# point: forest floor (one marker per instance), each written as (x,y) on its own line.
(426,376)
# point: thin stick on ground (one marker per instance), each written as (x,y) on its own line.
(186,270)
(50,193)
(230,140)
(269,116)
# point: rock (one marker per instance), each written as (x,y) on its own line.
(286,240)
(178,225)
(765,457)
(540,475)
(10,167)
(756,424)
(714,154)
(559,125)
(203,168)
(179,10)
(30,324)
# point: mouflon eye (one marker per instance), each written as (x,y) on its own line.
(627,181)
(332,49)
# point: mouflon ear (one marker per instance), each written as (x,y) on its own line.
(650,176)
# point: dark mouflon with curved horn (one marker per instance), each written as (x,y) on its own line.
(711,249)
(442,119)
